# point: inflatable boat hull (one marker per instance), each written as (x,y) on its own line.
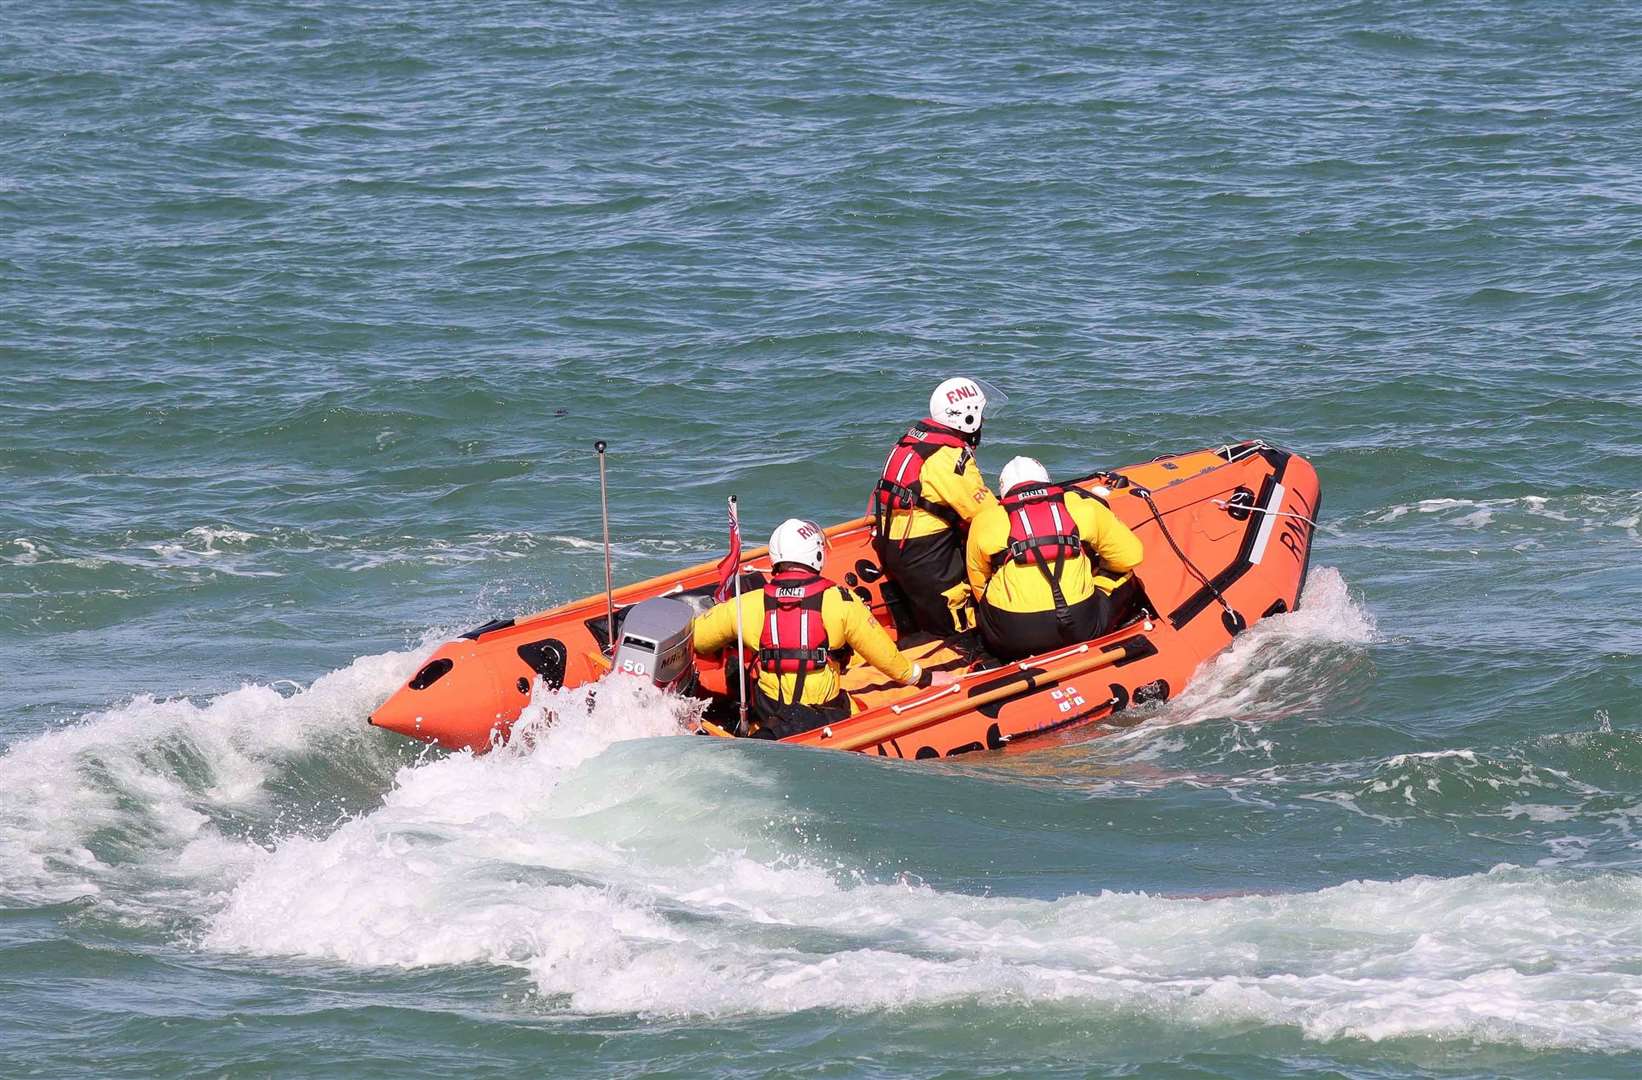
(1228,536)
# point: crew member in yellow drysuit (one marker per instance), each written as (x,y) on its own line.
(804,628)
(1030,568)
(929,493)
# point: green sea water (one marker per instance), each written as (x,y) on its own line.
(310,313)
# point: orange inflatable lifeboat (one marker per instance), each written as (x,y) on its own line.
(1228,535)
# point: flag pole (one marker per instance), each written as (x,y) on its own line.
(609,592)
(740,638)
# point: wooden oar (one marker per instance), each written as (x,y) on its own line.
(898,726)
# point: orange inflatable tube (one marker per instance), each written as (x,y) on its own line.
(1228,536)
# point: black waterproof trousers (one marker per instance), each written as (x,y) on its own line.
(925,567)
(777,720)
(1015,635)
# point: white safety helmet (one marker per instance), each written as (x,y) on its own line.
(1021,470)
(798,541)
(960,403)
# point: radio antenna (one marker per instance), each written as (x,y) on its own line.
(609,592)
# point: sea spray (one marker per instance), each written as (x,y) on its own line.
(621,872)
(1279,666)
(119,797)
(562,856)
(467,858)
(476,860)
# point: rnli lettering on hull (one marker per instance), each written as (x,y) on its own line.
(1267,518)
(1296,533)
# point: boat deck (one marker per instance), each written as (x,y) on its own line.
(868,686)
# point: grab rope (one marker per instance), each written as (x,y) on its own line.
(1313,522)
(1157,516)
(1237,452)
(1224,505)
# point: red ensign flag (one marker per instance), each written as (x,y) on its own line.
(730,565)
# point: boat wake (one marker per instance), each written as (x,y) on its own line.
(1283,668)
(124,804)
(611,867)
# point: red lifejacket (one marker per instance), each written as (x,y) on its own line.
(901,487)
(1041,532)
(794,638)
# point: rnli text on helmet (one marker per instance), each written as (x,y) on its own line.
(958,393)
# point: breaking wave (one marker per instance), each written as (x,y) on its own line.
(1281,667)
(134,800)
(615,867)
(622,873)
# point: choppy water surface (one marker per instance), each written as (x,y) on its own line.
(309,314)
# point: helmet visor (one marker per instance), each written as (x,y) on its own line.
(995,398)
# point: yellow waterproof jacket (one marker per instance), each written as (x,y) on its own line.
(848,622)
(952,478)
(1018,588)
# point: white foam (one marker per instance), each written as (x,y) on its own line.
(1522,956)
(622,872)
(219,549)
(1591,513)
(210,536)
(575,543)
(1468,756)
(416,881)
(203,547)
(142,777)
(1535,812)
(1243,679)
(1412,775)
(632,548)
(30,553)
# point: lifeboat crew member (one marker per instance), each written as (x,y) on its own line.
(929,493)
(1044,562)
(805,627)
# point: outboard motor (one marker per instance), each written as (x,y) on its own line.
(655,644)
